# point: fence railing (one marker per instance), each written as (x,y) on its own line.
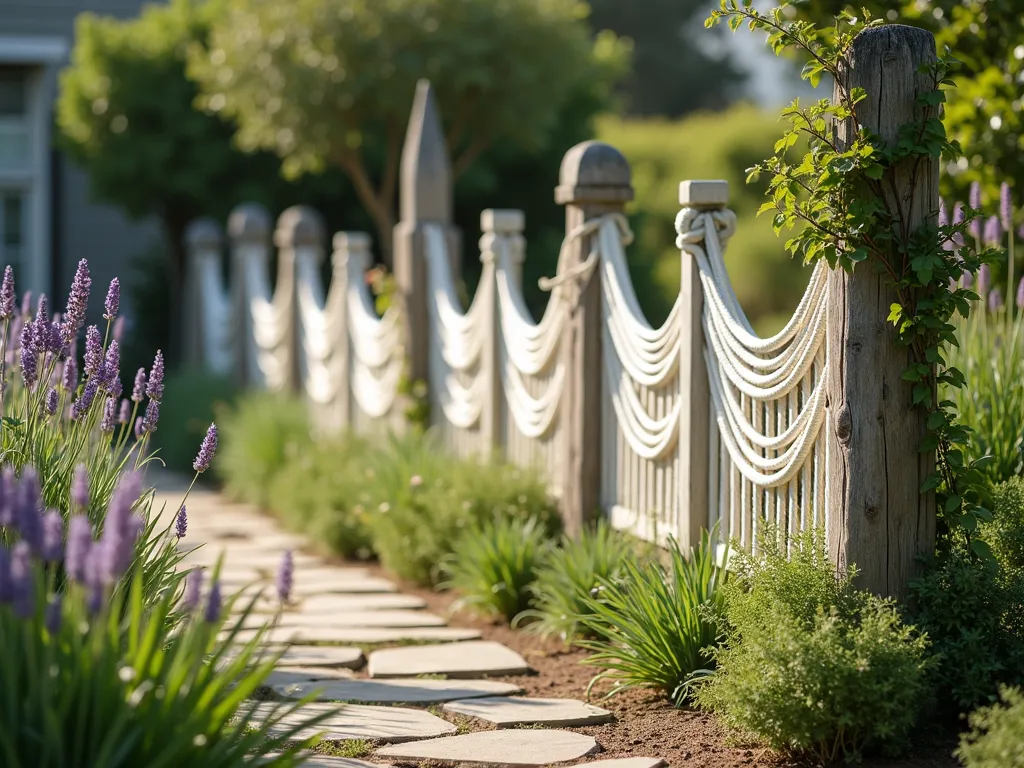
(665,430)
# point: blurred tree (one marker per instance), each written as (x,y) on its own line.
(125,114)
(328,83)
(675,70)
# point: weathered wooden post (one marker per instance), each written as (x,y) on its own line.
(694,391)
(594,179)
(876,516)
(299,239)
(425,197)
(204,240)
(249,232)
(350,260)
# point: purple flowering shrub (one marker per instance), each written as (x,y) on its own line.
(991,351)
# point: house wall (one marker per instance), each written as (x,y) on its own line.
(70,225)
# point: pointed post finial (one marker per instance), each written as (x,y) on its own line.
(425,176)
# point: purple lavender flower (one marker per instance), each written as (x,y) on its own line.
(139,391)
(113,300)
(943,215)
(8,498)
(120,530)
(53,536)
(126,412)
(206,450)
(21,580)
(51,401)
(155,387)
(110,372)
(29,356)
(285,577)
(69,381)
(78,302)
(1005,206)
(151,417)
(984,280)
(193,589)
(7,294)
(42,310)
(139,428)
(995,300)
(181,523)
(26,305)
(93,351)
(968,280)
(213,603)
(1020,294)
(993,232)
(119,329)
(974,198)
(79,546)
(53,615)
(80,488)
(6,585)
(109,420)
(958,219)
(84,401)
(30,508)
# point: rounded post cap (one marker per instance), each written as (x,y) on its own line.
(508,221)
(249,222)
(299,226)
(704,193)
(594,172)
(351,241)
(204,233)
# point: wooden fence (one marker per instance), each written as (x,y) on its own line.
(667,431)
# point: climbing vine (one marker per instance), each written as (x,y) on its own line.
(838,200)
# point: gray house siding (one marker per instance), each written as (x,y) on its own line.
(77,227)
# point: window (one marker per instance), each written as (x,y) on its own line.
(15,120)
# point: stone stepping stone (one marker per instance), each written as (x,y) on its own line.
(396,691)
(341,584)
(397,619)
(283,677)
(354,721)
(380,602)
(362,635)
(454,660)
(322,656)
(507,712)
(313,760)
(626,762)
(498,748)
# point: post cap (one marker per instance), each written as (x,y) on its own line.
(204,233)
(594,172)
(704,193)
(249,222)
(507,221)
(299,226)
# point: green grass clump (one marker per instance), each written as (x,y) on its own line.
(811,665)
(652,626)
(568,575)
(1005,532)
(259,435)
(996,739)
(192,401)
(495,565)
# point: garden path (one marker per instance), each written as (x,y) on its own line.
(411,684)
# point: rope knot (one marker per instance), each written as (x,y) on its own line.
(582,271)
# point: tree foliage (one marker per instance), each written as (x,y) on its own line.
(328,83)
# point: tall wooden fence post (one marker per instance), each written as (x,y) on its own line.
(425,197)
(299,237)
(204,241)
(876,516)
(594,179)
(249,232)
(694,390)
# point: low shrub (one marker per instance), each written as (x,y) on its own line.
(568,575)
(973,612)
(495,566)
(996,739)
(810,665)
(192,400)
(652,626)
(1005,532)
(425,500)
(322,493)
(261,433)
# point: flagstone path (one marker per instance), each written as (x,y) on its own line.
(391,695)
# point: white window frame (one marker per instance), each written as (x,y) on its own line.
(43,55)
